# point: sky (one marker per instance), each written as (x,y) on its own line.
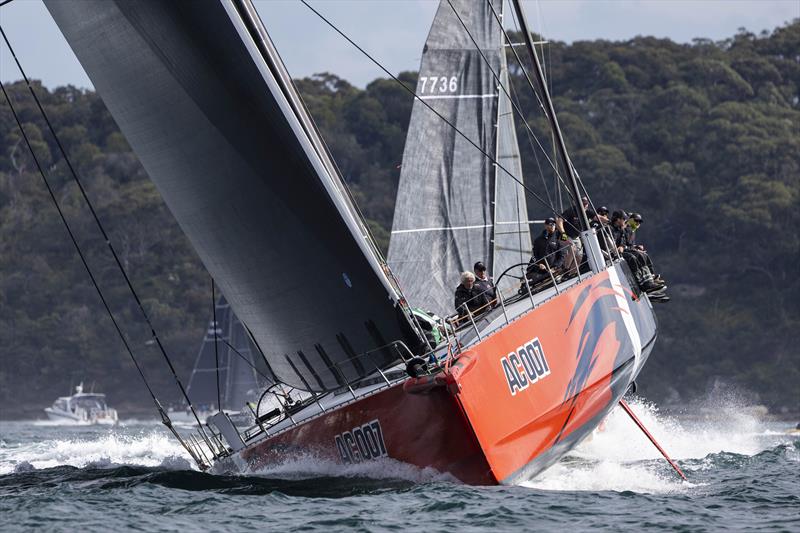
(394,31)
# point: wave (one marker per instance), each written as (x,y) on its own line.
(618,457)
(106,450)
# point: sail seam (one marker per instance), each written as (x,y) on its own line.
(440,229)
(456,96)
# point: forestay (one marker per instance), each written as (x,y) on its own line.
(450,195)
(216,127)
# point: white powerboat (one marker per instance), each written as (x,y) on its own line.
(82,408)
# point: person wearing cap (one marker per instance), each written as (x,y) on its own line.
(634,223)
(636,259)
(600,223)
(548,253)
(569,228)
(619,232)
(571,218)
(484,283)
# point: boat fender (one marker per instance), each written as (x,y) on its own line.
(416,366)
(424,384)
(462,365)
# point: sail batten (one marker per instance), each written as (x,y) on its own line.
(238,166)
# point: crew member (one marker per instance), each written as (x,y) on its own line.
(483,282)
(623,236)
(467,297)
(600,223)
(634,223)
(572,221)
(548,254)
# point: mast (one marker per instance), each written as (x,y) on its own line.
(493,192)
(551,114)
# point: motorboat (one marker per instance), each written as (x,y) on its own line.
(85,408)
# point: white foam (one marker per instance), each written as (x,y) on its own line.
(307,466)
(149,449)
(618,457)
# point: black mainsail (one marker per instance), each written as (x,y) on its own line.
(217,127)
(454,206)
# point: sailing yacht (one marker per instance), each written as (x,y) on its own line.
(203,98)
(226,372)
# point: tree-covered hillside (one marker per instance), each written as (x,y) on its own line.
(702,139)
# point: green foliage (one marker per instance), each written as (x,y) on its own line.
(703,139)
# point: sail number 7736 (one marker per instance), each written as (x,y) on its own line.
(438,84)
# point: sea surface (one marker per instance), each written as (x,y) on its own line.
(743,473)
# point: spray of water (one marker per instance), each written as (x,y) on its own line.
(616,458)
(110,449)
(307,466)
(619,457)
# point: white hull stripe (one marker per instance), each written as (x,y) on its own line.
(627,316)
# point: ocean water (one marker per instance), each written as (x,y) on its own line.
(742,473)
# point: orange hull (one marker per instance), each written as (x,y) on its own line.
(508,407)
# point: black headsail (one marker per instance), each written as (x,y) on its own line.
(453,205)
(219,132)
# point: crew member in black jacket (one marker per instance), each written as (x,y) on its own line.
(548,253)
(467,296)
(484,282)
(634,255)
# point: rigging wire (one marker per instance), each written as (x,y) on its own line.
(247,360)
(164,417)
(216,337)
(516,107)
(413,93)
(548,79)
(533,89)
(535,154)
(106,238)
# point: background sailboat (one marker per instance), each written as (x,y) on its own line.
(242,373)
